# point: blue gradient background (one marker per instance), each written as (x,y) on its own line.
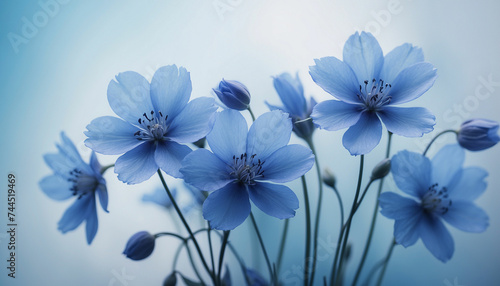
(57,81)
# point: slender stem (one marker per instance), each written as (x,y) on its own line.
(262,246)
(386,262)
(364,193)
(186,225)
(374,218)
(210,246)
(251,113)
(337,252)
(436,137)
(341,206)
(176,257)
(192,263)
(168,234)
(282,245)
(221,255)
(318,210)
(105,168)
(308,231)
(349,220)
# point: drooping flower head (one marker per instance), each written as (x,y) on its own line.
(233,94)
(74,178)
(478,134)
(160,197)
(291,93)
(140,246)
(368,87)
(442,190)
(156,120)
(241,162)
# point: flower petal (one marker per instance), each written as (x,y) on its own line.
(468,185)
(398,59)
(411,172)
(170,90)
(412,82)
(75,214)
(129,96)
(102,192)
(271,131)
(288,163)
(335,77)
(334,115)
(92,224)
(466,216)
(111,136)
(364,55)
(228,136)
(363,136)
(291,93)
(275,200)
(169,155)
(56,187)
(446,163)
(406,230)
(205,170)
(137,165)
(395,206)
(408,121)
(227,208)
(194,122)
(436,238)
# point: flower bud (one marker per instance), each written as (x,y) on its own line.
(478,134)
(171,280)
(140,245)
(382,169)
(329,178)
(233,94)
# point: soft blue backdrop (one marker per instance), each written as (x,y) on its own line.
(55,78)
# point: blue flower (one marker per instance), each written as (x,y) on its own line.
(157,119)
(140,245)
(241,161)
(160,197)
(233,94)
(74,178)
(254,278)
(368,86)
(291,93)
(478,134)
(443,191)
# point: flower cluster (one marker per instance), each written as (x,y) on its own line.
(247,168)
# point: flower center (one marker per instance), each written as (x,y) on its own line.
(82,183)
(245,170)
(153,127)
(436,201)
(375,94)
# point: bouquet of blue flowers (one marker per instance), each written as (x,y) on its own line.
(229,163)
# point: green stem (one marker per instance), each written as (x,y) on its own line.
(308,231)
(318,210)
(105,168)
(349,220)
(386,262)
(172,199)
(364,193)
(282,245)
(184,243)
(434,139)
(341,206)
(210,246)
(251,113)
(374,218)
(221,255)
(262,246)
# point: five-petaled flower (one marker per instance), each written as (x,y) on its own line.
(74,178)
(291,93)
(157,119)
(444,190)
(367,86)
(240,161)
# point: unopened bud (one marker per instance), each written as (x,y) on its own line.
(171,280)
(329,178)
(382,169)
